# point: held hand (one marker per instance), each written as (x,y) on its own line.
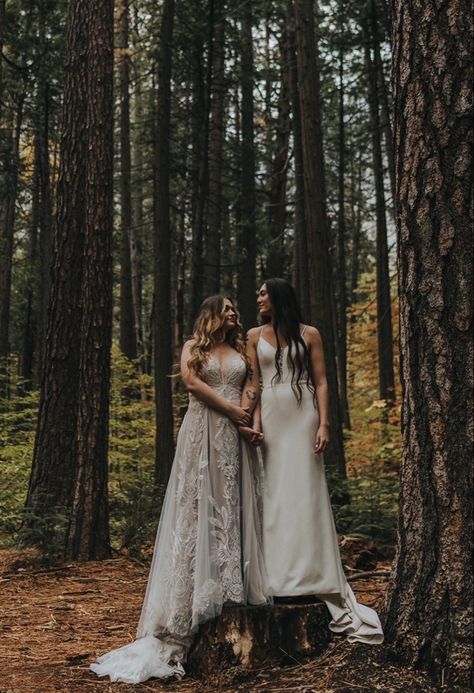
(322,438)
(251,435)
(239,415)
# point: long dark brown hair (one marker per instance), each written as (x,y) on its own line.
(286,318)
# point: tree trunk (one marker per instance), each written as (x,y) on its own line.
(202,89)
(301,252)
(11,189)
(321,297)
(278,171)
(384,301)
(252,637)
(137,228)
(356,230)
(212,241)
(162,341)
(385,109)
(429,608)
(2,35)
(45,236)
(69,473)
(29,334)
(248,245)
(341,255)
(128,337)
(88,532)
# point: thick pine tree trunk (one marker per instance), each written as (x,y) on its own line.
(88,532)
(429,608)
(248,243)
(128,336)
(162,342)
(321,291)
(384,301)
(69,470)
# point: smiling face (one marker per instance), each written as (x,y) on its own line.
(263,302)
(230,315)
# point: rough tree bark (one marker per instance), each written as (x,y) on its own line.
(69,470)
(248,245)
(162,334)
(321,291)
(88,531)
(428,608)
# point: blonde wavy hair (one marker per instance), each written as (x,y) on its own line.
(209,330)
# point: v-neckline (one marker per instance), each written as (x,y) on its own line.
(221,367)
(271,345)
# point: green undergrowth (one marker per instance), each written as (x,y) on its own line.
(370,490)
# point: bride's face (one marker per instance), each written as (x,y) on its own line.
(230,316)
(263,301)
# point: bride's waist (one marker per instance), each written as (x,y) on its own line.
(231,394)
(285,386)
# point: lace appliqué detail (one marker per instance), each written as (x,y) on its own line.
(208,468)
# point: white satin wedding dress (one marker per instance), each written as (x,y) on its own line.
(299,536)
(208,545)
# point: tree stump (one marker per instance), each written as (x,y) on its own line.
(249,635)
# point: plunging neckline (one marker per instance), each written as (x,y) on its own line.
(225,371)
(271,345)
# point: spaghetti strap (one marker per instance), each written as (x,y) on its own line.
(303,330)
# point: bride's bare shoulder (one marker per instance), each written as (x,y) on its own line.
(253,333)
(188,344)
(311,334)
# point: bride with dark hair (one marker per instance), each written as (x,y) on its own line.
(300,545)
(208,544)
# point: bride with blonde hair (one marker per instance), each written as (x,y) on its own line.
(208,545)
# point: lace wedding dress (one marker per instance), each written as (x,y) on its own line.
(208,545)
(299,536)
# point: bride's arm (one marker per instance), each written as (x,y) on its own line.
(320,381)
(206,394)
(251,389)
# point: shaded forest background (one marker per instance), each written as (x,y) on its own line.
(232,107)
(154,153)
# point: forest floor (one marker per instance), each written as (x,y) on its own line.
(56,620)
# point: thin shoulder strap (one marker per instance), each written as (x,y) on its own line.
(303,330)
